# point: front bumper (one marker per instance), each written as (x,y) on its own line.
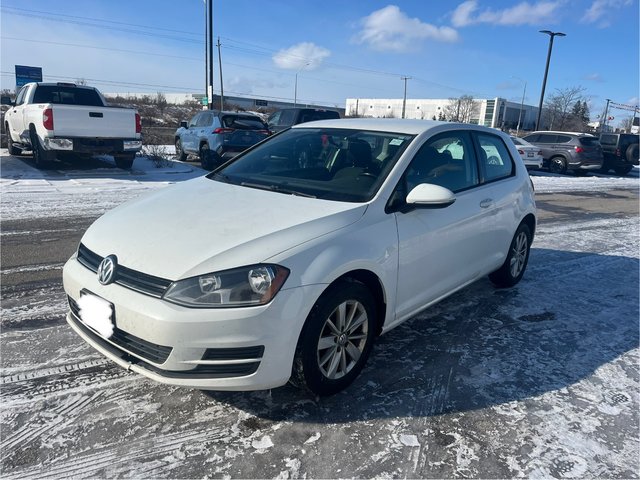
(93,145)
(218,349)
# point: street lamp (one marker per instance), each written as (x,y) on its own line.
(521,104)
(295,90)
(546,70)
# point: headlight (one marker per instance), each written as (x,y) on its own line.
(240,287)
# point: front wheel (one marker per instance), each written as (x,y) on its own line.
(12,149)
(336,339)
(515,264)
(125,160)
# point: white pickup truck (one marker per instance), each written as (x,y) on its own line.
(51,119)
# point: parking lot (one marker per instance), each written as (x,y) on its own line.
(540,380)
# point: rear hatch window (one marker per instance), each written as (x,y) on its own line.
(242,123)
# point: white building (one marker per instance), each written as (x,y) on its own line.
(496,112)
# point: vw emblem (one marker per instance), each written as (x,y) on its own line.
(107,269)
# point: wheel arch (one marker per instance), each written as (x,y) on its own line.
(374,284)
(530,221)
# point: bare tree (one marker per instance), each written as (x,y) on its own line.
(560,112)
(626,124)
(161,101)
(461,109)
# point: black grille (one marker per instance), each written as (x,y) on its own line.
(130,343)
(241,353)
(140,282)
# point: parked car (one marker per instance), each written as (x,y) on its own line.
(563,151)
(530,154)
(324,237)
(620,152)
(51,119)
(216,137)
(285,118)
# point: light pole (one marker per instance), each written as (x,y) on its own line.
(524,91)
(404,99)
(546,70)
(295,90)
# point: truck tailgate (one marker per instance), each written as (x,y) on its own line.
(102,122)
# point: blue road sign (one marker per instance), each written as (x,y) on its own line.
(26,74)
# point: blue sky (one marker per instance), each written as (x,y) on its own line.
(341,49)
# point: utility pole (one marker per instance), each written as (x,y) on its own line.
(210,86)
(603,123)
(221,87)
(404,100)
(206,52)
(546,70)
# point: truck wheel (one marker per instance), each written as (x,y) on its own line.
(41,156)
(12,149)
(557,165)
(124,160)
(179,151)
(632,153)
(622,171)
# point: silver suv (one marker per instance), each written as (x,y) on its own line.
(562,151)
(216,137)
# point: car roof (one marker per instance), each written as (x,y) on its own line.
(580,134)
(397,125)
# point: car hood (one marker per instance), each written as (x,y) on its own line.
(201,225)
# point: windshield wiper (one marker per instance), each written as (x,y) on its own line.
(276,188)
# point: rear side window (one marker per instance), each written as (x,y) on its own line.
(563,139)
(494,157)
(287,117)
(532,138)
(589,141)
(67,96)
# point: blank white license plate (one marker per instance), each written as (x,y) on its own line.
(97,313)
(530,154)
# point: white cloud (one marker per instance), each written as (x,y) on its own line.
(524,13)
(305,55)
(601,10)
(594,77)
(390,29)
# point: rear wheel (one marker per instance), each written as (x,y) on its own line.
(515,264)
(336,339)
(558,165)
(41,156)
(125,160)
(179,151)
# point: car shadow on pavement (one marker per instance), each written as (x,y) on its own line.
(571,314)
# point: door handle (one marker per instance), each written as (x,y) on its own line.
(486,203)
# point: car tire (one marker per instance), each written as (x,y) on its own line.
(41,157)
(622,171)
(13,150)
(515,264)
(336,339)
(125,160)
(632,153)
(205,159)
(179,151)
(557,165)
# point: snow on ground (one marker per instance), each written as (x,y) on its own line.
(546,182)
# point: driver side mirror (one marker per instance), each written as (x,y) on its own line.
(427,195)
(184,124)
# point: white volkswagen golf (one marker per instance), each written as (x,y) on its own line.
(288,261)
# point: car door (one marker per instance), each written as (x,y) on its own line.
(15,115)
(188,136)
(203,129)
(442,249)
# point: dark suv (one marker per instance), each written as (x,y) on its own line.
(620,152)
(562,151)
(283,119)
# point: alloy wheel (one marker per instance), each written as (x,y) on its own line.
(518,254)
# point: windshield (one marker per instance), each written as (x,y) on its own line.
(328,163)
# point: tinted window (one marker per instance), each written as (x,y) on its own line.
(274,118)
(329,163)
(287,117)
(313,115)
(242,122)
(67,96)
(608,139)
(20,97)
(194,121)
(590,141)
(532,138)
(547,138)
(563,139)
(517,141)
(494,157)
(446,160)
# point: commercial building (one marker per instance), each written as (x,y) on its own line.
(495,112)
